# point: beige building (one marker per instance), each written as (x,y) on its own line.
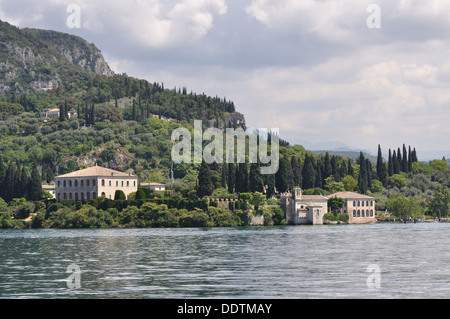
(359,208)
(304,209)
(94,182)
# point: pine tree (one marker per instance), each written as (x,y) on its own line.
(205,184)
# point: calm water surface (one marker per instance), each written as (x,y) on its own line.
(274,262)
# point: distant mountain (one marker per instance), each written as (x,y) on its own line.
(33,60)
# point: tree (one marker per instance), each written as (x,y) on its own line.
(402,207)
(205,184)
(350,183)
(255,180)
(258,199)
(281,179)
(231,178)
(381,167)
(363,178)
(35,185)
(309,174)
(335,203)
(140,194)
(119,195)
(440,202)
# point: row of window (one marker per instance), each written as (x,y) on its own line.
(361,213)
(361,203)
(88,183)
(76,196)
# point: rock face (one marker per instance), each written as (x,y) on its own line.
(33,60)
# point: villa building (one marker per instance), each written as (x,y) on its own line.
(154,186)
(304,209)
(359,208)
(94,182)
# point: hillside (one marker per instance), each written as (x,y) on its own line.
(37,60)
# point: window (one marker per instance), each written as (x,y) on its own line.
(128,183)
(94,195)
(134,183)
(59,183)
(70,195)
(82,183)
(122,183)
(88,184)
(88,196)
(367,213)
(93,182)
(103,182)
(65,196)
(354,213)
(76,196)
(109,183)
(70,184)
(64,184)
(117,183)
(82,194)
(362,204)
(354,203)
(359,213)
(76,183)
(371,213)
(359,204)
(362,213)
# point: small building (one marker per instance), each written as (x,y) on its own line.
(154,186)
(94,182)
(304,209)
(50,189)
(49,114)
(359,208)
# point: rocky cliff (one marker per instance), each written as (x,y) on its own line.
(38,60)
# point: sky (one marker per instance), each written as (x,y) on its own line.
(357,72)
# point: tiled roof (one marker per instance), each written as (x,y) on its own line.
(349,195)
(96,171)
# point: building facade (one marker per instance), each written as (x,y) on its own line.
(304,209)
(359,208)
(154,186)
(94,182)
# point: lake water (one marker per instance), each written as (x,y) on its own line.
(410,261)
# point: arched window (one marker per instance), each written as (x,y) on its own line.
(65,195)
(359,204)
(359,213)
(82,183)
(76,196)
(354,203)
(70,196)
(94,195)
(64,184)
(354,213)
(362,213)
(103,195)
(362,204)
(59,183)
(371,213)
(88,196)
(87,184)
(70,183)
(76,183)
(367,213)
(93,182)
(82,196)
(103,182)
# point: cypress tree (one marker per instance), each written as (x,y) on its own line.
(390,164)
(409,159)
(281,180)
(414,156)
(309,174)
(10,182)
(2,178)
(328,168)
(296,166)
(404,160)
(255,181)
(381,167)
(362,179)
(205,184)
(231,178)
(350,170)
(35,185)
